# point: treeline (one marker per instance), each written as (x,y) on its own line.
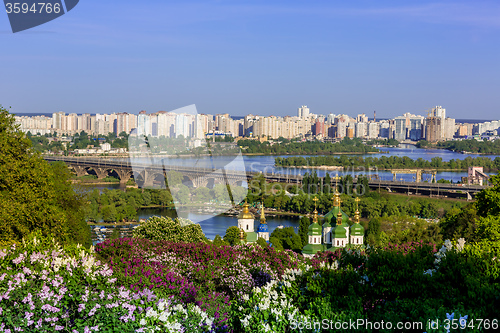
(388,162)
(36,195)
(473,146)
(383,142)
(82,140)
(373,204)
(117,205)
(42,144)
(284,146)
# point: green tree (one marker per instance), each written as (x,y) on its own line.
(373,232)
(220,193)
(488,200)
(288,238)
(304,229)
(218,241)
(202,194)
(262,242)
(165,198)
(174,178)
(276,243)
(232,236)
(459,223)
(35,195)
(488,229)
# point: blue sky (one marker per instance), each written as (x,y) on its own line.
(260,57)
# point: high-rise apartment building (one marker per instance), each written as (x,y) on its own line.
(360,130)
(373,130)
(415,128)
(433,129)
(303,112)
(401,126)
(361,118)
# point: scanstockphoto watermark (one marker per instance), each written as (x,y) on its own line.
(208,180)
(26,14)
(358,324)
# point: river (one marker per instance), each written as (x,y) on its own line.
(265,164)
(213,225)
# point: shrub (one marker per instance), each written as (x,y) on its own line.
(158,228)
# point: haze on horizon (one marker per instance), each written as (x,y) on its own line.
(260,57)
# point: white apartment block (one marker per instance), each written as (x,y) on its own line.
(171,124)
(373,130)
(303,112)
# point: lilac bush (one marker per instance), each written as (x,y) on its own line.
(44,288)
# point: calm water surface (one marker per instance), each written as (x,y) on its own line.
(217,225)
(266,163)
(213,225)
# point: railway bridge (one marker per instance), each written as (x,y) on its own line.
(153,176)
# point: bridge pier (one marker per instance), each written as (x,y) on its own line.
(149,178)
(100,172)
(80,170)
(200,182)
(124,175)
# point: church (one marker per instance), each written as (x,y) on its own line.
(335,233)
(246,221)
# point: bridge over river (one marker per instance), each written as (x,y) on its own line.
(146,175)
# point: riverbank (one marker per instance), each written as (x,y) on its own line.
(341,168)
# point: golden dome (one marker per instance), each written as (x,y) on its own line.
(245,213)
(336,199)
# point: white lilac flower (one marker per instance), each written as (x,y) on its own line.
(151,313)
(244,321)
(429,272)
(164,316)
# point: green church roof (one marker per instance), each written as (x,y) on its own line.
(312,248)
(251,237)
(357,230)
(331,216)
(314,229)
(339,232)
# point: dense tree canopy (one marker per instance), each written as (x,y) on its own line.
(284,146)
(471,145)
(388,162)
(35,195)
(488,200)
(286,239)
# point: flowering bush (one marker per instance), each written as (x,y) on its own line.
(221,269)
(209,274)
(270,308)
(158,228)
(45,288)
(158,286)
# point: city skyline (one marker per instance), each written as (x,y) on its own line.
(186,122)
(258,57)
